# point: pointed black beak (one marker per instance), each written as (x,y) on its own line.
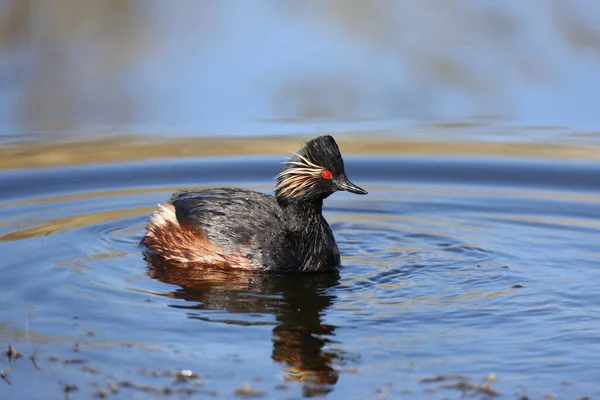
(348,186)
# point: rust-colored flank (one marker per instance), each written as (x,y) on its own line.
(187,244)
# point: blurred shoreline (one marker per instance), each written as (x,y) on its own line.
(136,148)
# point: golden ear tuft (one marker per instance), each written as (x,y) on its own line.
(303,174)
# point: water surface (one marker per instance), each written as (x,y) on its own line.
(470,269)
(486,268)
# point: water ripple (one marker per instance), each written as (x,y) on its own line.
(441,275)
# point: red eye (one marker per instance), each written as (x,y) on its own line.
(326,174)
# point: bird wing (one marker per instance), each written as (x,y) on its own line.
(233,219)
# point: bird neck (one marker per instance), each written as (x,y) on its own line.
(302,215)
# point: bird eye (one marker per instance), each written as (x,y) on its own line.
(326,174)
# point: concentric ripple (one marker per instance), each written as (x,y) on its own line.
(453,267)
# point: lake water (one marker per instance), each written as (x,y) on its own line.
(470,269)
(452,265)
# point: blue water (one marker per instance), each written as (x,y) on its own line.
(269,68)
(451,266)
(470,269)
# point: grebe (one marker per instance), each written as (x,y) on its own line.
(245,230)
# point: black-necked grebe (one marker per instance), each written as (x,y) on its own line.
(243,229)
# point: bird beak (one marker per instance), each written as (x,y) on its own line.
(348,186)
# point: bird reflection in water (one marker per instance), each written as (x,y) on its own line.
(297,301)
